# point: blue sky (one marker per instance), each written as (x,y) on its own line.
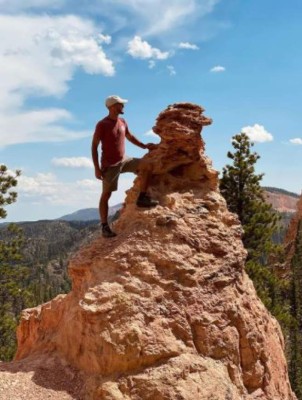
(59,60)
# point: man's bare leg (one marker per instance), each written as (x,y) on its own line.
(103,210)
(145,170)
(104,207)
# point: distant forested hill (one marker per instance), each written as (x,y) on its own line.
(284,202)
(89,214)
(280,191)
(46,250)
(48,245)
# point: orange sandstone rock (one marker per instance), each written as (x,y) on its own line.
(291,236)
(281,202)
(165,310)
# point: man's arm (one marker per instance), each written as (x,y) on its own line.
(95,156)
(134,140)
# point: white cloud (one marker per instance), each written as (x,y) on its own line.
(47,189)
(39,57)
(187,45)
(296,141)
(42,184)
(77,45)
(139,48)
(145,17)
(151,64)
(72,162)
(156,17)
(257,133)
(104,38)
(171,70)
(91,184)
(11,6)
(217,68)
(43,45)
(151,133)
(36,126)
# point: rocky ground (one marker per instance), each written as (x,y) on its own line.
(39,378)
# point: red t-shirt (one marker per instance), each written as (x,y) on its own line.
(112,135)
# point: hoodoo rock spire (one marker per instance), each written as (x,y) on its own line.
(166,310)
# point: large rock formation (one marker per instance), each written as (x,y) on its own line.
(165,310)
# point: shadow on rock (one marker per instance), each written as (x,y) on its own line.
(48,373)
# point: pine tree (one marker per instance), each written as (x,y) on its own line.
(7,182)
(14,276)
(240,186)
(295,334)
(14,293)
(21,285)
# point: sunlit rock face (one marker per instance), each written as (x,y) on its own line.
(281,202)
(165,310)
(290,241)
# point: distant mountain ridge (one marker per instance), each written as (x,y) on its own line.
(85,214)
(88,214)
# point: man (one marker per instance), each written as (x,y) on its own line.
(111,133)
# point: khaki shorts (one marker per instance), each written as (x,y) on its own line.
(111,174)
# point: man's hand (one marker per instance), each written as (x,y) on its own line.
(98,173)
(151,146)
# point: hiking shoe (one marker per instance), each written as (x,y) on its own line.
(146,201)
(107,232)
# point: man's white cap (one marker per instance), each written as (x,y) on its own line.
(113,100)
